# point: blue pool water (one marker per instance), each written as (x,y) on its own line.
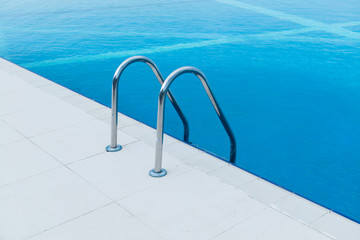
(286,73)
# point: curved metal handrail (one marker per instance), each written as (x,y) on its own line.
(158,171)
(114,106)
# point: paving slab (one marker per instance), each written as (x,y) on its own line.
(271,225)
(304,211)
(232,175)
(24,99)
(79,141)
(199,207)
(264,191)
(23,159)
(46,118)
(36,204)
(8,134)
(338,227)
(109,222)
(205,162)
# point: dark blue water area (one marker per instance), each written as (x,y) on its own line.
(293,100)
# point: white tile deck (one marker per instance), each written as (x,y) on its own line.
(76,142)
(23,159)
(204,162)
(233,176)
(36,204)
(338,227)
(304,211)
(23,99)
(138,130)
(127,170)
(83,103)
(109,222)
(199,207)
(264,191)
(270,224)
(57,181)
(15,84)
(53,117)
(151,139)
(8,134)
(181,150)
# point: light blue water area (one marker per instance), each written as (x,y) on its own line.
(355,28)
(328,11)
(286,74)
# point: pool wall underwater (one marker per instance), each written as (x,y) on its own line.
(286,75)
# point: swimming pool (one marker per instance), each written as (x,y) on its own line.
(286,74)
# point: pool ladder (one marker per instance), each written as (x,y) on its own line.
(113,147)
(158,171)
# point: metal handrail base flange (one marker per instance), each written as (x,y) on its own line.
(162,173)
(109,148)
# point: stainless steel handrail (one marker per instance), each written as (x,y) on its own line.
(113,147)
(158,171)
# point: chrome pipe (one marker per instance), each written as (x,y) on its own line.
(114,100)
(158,171)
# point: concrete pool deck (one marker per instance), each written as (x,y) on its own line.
(58,182)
